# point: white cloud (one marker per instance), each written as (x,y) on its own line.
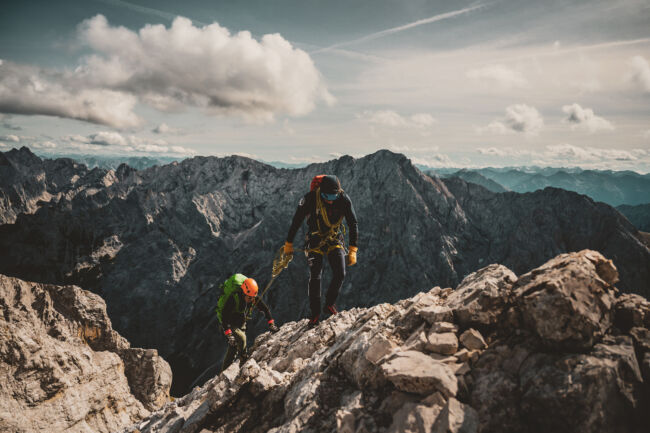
(161,129)
(518,118)
(43,145)
(107,138)
(646,133)
(168,68)
(393,119)
(584,118)
(493,151)
(437,160)
(11,137)
(503,76)
(31,90)
(640,74)
(571,153)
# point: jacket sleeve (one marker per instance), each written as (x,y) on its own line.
(261,305)
(351,219)
(301,213)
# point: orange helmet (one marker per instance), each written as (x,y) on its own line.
(249,287)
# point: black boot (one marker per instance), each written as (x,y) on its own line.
(313,322)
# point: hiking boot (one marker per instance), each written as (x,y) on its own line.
(313,322)
(331,309)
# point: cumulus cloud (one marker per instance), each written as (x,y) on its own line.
(169,69)
(519,118)
(11,137)
(493,151)
(584,118)
(107,138)
(393,119)
(503,76)
(640,74)
(30,90)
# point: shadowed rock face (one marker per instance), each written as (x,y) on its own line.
(156,243)
(64,369)
(367,370)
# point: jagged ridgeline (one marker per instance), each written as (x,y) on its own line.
(156,243)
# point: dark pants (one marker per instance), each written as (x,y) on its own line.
(336,258)
(240,349)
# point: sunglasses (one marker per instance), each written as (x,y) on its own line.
(329,197)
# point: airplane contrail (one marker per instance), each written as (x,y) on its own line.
(392,30)
(147,11)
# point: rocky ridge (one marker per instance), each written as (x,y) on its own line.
(64,369)
(173,233)
(27,182)
(556,349)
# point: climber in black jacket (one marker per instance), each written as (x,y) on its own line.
(325,206)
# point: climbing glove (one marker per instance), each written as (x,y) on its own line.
(274,328)
(288,248)
(352,256)
(230,338)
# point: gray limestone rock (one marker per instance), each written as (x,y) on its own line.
(482,296)
(444,343)
(473,340)
(566,302)
(416,372)
(173,233)
(64,369)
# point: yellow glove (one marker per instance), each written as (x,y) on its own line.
(288,248)
(352,256)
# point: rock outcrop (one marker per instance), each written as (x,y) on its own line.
(364,370)
(174,233)
(64,369)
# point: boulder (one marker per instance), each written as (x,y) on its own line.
(481,297)
(416,372)
(632,310)
(445,343)
(473,340)
(456,417)
(566,301)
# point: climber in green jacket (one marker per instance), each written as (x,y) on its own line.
(238,298)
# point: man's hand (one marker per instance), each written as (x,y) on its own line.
(352,256)
(273,327)
(230,338)
(288,248)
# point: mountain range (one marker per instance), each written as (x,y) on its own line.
(612,187)
(156,243)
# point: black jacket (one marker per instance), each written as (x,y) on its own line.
(342,206)
(234,317)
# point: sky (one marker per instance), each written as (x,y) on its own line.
(447,83)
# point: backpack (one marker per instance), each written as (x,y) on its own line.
(229,287)
(315,182)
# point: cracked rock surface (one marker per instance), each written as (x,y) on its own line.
(64,369)
(371,369)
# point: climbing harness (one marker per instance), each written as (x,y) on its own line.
(333,236)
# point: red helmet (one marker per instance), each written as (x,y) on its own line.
(249,287)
